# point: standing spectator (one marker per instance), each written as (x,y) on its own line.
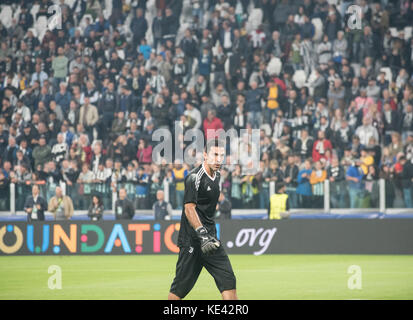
(407,179)
(223,207)
(61,205)
(88,117)
(336,175)
(320,147)
(124,209)
(35,206)
(354,176)
(60,149)
(162,209)
(317,178)
(4,192)
(96,208)
(290,180)
(139,26)
(212,124)
(157,29)
(304,187)
(366,131)
(179,173)
(253,101)
(60,67)
(142,189)
(42,153)
(189,47)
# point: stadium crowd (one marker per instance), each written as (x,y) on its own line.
(79,103)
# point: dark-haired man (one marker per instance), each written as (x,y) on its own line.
(197,238)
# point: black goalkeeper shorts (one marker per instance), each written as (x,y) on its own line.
(189,266)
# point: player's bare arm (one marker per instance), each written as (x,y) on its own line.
(192,216)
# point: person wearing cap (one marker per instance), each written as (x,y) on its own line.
(279,207)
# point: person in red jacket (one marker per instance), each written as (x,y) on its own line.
(144,154)
(321,145)
(212,122)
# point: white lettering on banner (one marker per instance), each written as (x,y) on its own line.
(250,235)
(354,281)
(55,280)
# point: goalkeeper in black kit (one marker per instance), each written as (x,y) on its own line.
(197,240)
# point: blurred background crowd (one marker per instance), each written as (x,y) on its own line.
(333,100)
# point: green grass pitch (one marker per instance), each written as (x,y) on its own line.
(258,277)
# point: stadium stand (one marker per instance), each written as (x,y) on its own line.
(334,102)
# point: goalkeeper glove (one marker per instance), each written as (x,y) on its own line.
(208,243)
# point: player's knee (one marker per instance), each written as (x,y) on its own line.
(229,295)
(172,296)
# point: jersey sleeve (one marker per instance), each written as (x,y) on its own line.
(191,189)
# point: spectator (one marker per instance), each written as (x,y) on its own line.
(223,207)
(61,205)
(320,147)
(35,206)
(407,179)
(354,176)
(96,208)
(253,101)
(304,187)
(42,153)
(317,178)
(88,117)
(124,209)
(336,175)
(162,209)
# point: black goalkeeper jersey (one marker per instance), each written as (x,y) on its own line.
(203,190)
